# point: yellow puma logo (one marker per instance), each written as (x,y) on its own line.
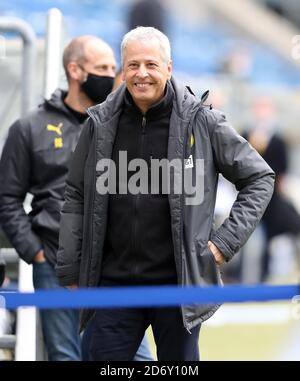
(57,129)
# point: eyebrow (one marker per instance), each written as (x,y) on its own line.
(147,61)
(104,66)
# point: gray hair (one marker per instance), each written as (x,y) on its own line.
(146,34)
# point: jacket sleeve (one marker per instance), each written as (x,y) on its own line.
(15,167)
(239,163)
(71,224)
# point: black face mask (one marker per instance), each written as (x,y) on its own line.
(97,87)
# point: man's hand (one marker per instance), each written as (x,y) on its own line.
(219,257)
(40,257)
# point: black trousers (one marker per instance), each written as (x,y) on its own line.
(117,334)
(281,217)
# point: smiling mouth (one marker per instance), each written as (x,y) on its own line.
(142,85)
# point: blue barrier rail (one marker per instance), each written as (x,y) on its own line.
(146,296)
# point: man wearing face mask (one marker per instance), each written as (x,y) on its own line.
(35,160)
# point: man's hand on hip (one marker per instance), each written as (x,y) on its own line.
(219,257)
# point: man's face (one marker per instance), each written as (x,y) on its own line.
(145,73)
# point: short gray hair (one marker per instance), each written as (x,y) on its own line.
(146,34)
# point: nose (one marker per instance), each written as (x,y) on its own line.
(142,72)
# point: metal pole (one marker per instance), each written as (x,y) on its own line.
(26,317)
(54,37)
(16,25)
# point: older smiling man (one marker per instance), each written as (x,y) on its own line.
(120,238)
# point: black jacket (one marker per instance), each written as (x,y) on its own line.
(36,159)
(195,131)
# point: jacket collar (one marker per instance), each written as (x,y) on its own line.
(157,110)
(56,100)
(110,107)
(184,103)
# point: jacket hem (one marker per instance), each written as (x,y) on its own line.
(202,319)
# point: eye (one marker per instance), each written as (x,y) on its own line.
(152,64)
(101,69)
(133,65)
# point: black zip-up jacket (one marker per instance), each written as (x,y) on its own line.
(35,159)
(138,249)
(196,133)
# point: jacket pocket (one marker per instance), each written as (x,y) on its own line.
(208,268)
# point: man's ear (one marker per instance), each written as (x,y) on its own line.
(74,71)
(170,67)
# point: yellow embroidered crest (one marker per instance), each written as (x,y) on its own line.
(192,140)
(58,142)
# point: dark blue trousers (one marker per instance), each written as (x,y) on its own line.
(117,334)
(60,327)
(143,353)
